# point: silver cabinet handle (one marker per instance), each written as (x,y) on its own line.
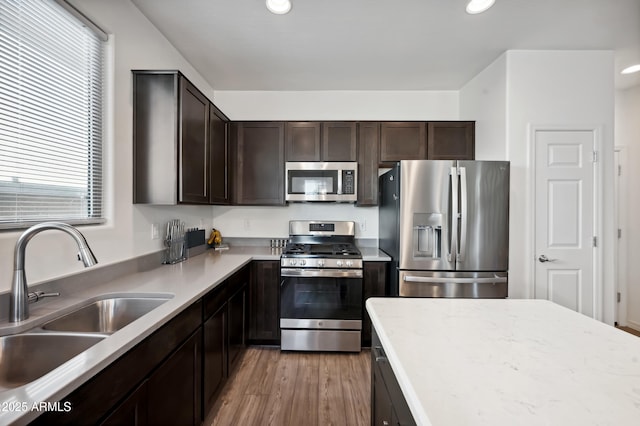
(379,354)
(544,259)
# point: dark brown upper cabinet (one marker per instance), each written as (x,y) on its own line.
(339,141)
(172,149)
(402,141)
(368,159)
(218,140)
(321,141)
(258,162)
(451,140)
(193,139)
(303,141)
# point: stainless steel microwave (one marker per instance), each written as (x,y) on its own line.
(321,181)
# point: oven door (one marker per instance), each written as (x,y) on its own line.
(320,310)
(328,295)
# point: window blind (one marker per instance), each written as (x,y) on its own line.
(51,95)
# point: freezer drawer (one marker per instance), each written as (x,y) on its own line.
(473,285)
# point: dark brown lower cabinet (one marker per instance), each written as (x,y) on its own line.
(174,391)
(225,334)
(173,376)
(264,302)
(215,360)
(120,386)
(237,324)
(132,411)
(170,396)
(374,285)
(388,405)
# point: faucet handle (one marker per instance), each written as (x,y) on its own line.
(37,295)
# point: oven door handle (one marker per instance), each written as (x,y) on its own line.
(328,273)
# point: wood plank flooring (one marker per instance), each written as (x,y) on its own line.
(296,388)
(630,330)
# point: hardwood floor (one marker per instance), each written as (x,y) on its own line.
(630,330)
(296,388)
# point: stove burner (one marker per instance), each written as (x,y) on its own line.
(345,249)
(337,249)
(293,248)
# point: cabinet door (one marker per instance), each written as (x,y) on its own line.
(218,143)
(451,140)
(339,141)
(381,407)
(215,359)
(259,163)
(368,159)
(236,329)
(303,141)
(174,389)
(264,300)
(374,285)
(193,176)
(402,141)
(132,411)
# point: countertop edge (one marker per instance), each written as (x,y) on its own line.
(417,410)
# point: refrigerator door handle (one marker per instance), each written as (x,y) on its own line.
(462,248)
(436,280)
(453,174)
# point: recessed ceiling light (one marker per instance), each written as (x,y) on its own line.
(279,7)
(479,6)
(631,69)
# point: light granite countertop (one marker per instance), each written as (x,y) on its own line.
(508,362)
(184,282)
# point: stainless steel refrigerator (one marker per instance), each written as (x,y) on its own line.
(445,224)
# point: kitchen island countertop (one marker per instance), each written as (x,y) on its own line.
(508,362)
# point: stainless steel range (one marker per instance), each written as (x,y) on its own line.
(321,288)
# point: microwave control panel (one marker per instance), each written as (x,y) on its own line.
(348,181)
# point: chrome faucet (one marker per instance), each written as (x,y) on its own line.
(19,307)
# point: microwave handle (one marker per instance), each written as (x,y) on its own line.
(339,188)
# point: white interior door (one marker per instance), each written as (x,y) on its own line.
(564,218)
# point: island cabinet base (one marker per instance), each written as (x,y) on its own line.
(388,406)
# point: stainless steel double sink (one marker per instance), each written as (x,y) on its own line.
(28,356)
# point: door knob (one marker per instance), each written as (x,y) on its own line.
(544,259)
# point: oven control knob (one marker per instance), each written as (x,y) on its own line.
(292,262)
(339,263)
(349,263)
(303,262)
(321,263)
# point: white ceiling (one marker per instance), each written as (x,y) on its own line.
(383,44)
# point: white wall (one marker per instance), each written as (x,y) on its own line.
(266,222)
(135,44)
(627,130)
(338,105)
(484,99)
(553,88)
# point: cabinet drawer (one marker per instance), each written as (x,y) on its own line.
(215,299)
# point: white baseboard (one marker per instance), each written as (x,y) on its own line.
(633,324)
